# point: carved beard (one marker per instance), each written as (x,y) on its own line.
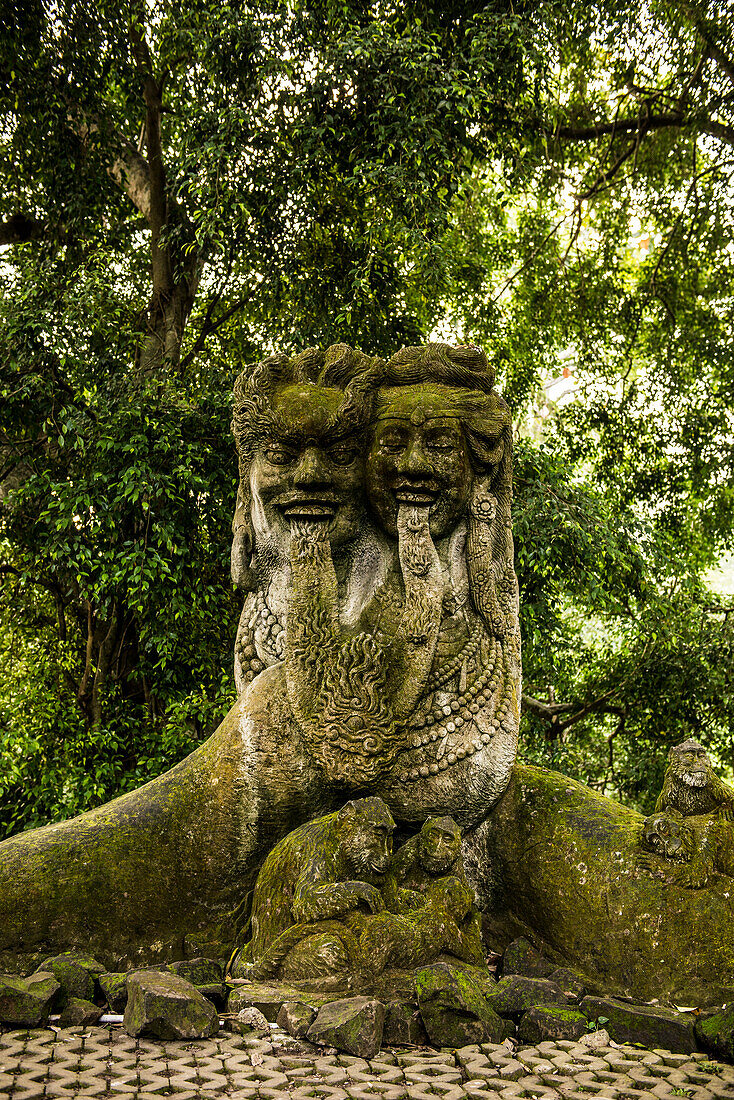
(694,779)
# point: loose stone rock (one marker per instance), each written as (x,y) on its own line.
(295,1017)
(554,1023)
(354,1024)
(516,995)
(26,1002)
(251,1019)
(199,971)
(165,1006)
(74,978)
(79,1013)
(570,982)
(403,1025)
(716,1033)
(522,958)
(648,1025)
(454,1008)
(114,990)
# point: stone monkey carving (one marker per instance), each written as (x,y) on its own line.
(700,847)
(321,906)
(691,786)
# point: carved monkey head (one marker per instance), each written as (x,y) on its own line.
(668,836)
(439,845)
(364,833)
(689,763)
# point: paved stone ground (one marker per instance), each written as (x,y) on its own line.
(104,1062)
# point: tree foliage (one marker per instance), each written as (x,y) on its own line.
(187,187)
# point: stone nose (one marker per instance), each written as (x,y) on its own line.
(415,460)
(312,468)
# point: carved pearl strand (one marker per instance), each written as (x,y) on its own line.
(463,713)
(266,628)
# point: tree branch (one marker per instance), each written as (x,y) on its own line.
(19,228)
(128,168)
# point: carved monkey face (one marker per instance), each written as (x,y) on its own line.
(439,845)
(690,764)
(365,838)
(667,836)
(306,467)
(419,456)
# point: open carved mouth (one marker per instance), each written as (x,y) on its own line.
(315,510)
(420,495)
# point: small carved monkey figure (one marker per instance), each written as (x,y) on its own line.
(691,787)
(702,847)
(434,851)
(320,872)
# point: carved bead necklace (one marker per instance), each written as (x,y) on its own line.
(482,691)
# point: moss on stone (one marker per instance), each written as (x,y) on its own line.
(563,861)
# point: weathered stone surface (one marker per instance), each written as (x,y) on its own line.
(79,1012)
(266,998)
(571,982)
(114,990)
(554,1023)
(296,1017)
(649,1025)
(26,1002)
(522,958)
(251,1019)
(354,1024)
(403,1025)
(515,995)
(75,980)
(454,1009)
(165,1006)
(715,1033)
(558,858)
(198,971)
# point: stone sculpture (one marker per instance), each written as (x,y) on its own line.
(691,786)
(701,847)
(326,906)
(394,614)
(378,655)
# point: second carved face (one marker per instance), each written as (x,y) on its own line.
(418,456)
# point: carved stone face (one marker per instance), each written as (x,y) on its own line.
(305,468)
(691,764)
(439,846)
(365,828)
(418,455)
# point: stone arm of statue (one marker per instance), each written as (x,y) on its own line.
(324,901)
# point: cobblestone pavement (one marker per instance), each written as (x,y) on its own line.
(105,1062)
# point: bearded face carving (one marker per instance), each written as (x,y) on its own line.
(373,538)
